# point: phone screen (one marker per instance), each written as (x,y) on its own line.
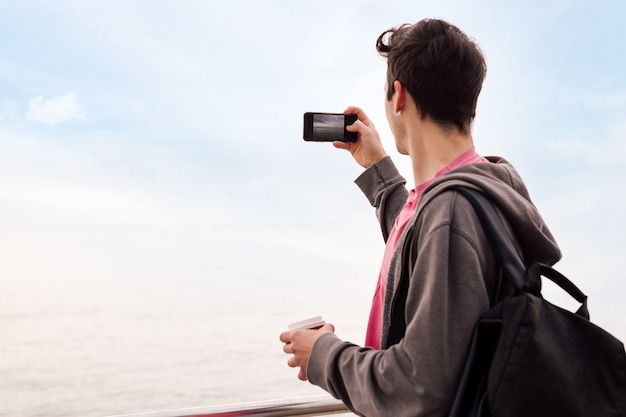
(328,125)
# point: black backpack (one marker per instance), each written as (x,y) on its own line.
(530,358)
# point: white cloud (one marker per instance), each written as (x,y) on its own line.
(55,110)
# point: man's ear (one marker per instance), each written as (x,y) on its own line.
(399,96)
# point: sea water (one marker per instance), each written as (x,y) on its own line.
(165,337)
(102,352)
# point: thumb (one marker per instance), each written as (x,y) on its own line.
(354,127)
(328,328)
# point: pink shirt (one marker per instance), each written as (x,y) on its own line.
(374,326)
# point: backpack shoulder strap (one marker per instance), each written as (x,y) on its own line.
(523,279)
(508,259)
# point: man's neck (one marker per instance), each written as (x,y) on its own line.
(432,148)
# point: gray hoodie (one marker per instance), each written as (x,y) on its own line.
(451,283)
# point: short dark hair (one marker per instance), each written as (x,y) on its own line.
(439,66)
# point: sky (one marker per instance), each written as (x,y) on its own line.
(161,141)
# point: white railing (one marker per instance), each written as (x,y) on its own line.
(318,405)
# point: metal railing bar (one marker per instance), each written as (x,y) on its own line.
(317,405)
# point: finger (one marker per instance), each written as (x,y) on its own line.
(360,114)
(302,374)
(355,110)
(352,110)
(287,348)
(292,362)
(328,327)
(354,127)
(359,126)
(285,337)
(341,145)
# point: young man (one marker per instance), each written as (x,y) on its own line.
(412,366)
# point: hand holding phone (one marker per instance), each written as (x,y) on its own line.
(369,148)
(328,127)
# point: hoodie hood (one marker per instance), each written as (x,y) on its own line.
(501,183)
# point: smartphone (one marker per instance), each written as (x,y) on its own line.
(328,127)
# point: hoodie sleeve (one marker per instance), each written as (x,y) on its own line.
(446,296)
(384,187)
